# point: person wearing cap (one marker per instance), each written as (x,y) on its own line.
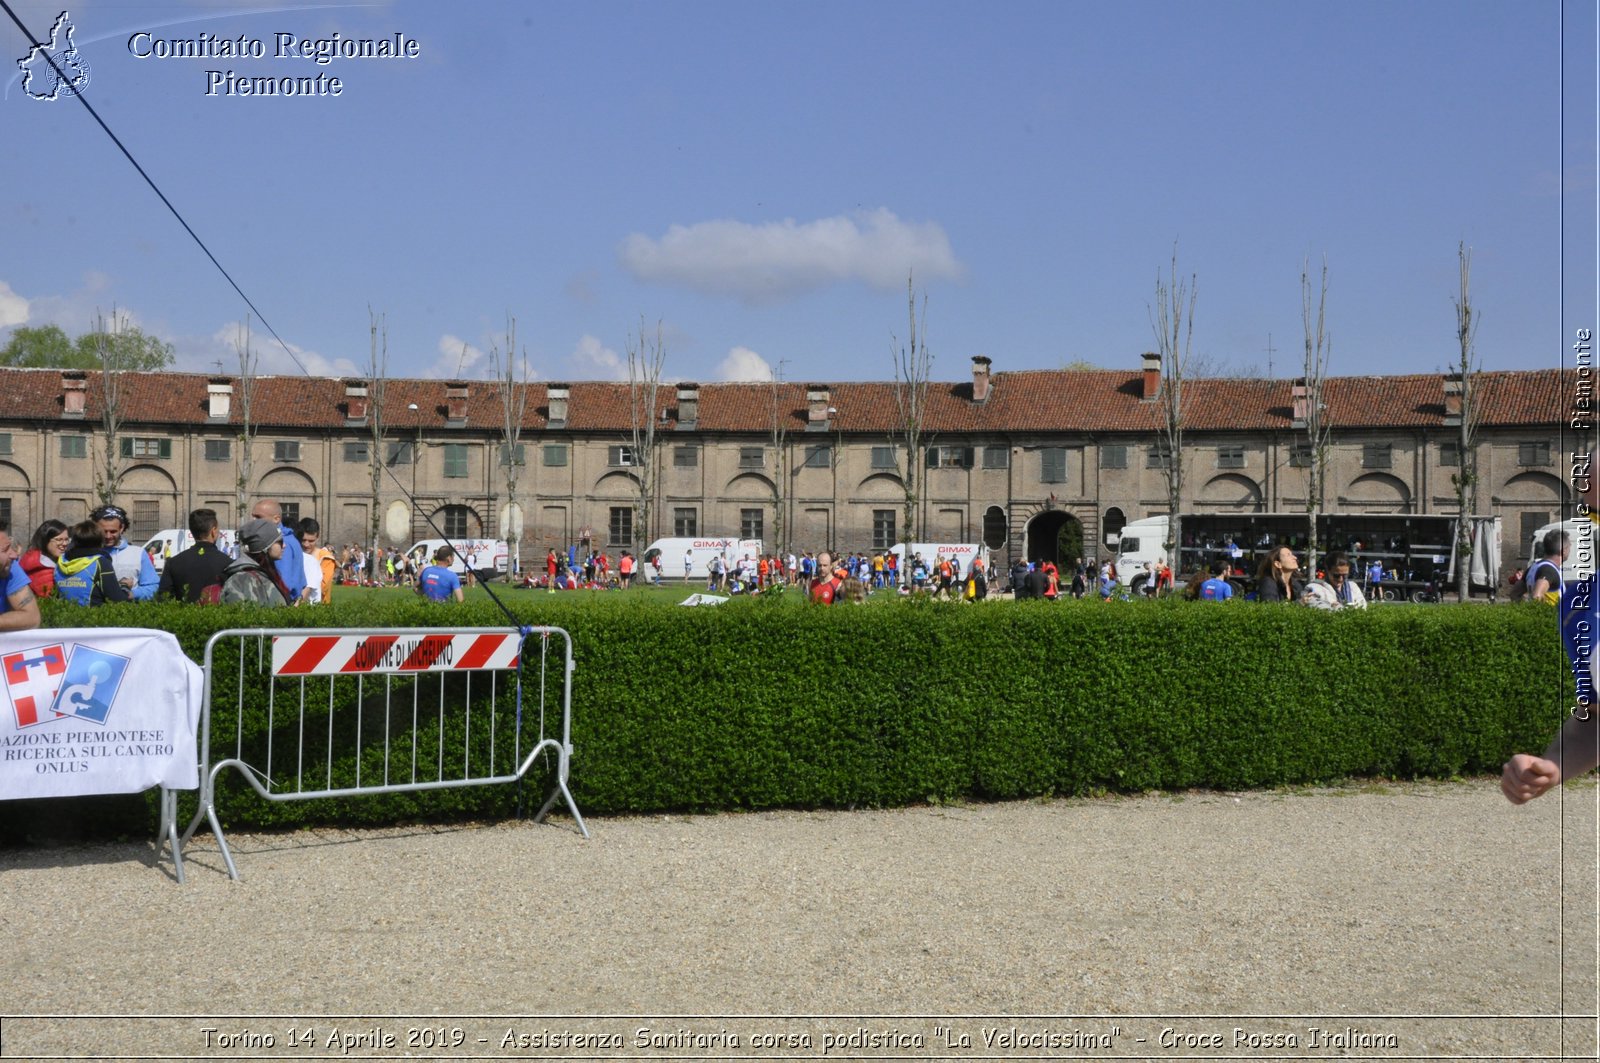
(1575,749)
(135,570)
(292,563)
(253,579)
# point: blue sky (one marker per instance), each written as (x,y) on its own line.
(759,178)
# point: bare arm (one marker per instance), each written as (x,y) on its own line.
(24,614)
(1574,751)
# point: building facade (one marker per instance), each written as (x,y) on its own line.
(1028,462)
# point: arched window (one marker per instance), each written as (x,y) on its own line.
(994,527)
(457,522)
(1114,522)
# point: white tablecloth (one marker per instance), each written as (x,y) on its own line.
(96,711)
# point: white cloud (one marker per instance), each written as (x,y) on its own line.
(458,360)
(220,348)
(779,259)
(13,307)
(593,360)
(743,364)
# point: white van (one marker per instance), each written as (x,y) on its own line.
(699,551)
(960,554)
(1580,551)
(169,541)
(488,557)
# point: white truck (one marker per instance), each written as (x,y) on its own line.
(488,557)
(169,541)
(1141,544)
(697,552)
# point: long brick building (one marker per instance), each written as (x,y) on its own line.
(1011,458)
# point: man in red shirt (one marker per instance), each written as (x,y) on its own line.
(828,580)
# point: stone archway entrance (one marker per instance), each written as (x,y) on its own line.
(1054,536)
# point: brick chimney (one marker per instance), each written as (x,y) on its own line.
(557,395)
(455,403)
(219,398)
(1152,375)
(1301,395)
(1454,394)
(74,392)
(355,402)
(980,378)
(688,406)
(817,417)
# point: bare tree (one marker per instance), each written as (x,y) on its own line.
(244,463)
(1311,409)
(513,386)
(111,352)
(1172,317)
(913,368)
(781,460)
(377,380)
(1465,479)
(646,357)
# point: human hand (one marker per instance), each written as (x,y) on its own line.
(1526,776)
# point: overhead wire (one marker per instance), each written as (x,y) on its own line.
(39,48)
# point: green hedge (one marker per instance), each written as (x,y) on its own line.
(757,705)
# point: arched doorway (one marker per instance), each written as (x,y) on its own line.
(1054,536)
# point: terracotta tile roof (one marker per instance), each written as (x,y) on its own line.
(1025,401)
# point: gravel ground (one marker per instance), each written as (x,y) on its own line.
(1330,908)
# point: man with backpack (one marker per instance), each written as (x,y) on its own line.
(85,572)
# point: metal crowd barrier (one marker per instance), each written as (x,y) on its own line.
(351,712)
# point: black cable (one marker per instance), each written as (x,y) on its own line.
(78,92)
(37,45)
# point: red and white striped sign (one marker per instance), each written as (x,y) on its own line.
(363,654)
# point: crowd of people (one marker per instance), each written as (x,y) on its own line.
(275,563)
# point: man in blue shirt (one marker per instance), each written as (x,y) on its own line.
(19,610)
(437,583)
(292,565)
(1217,588)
